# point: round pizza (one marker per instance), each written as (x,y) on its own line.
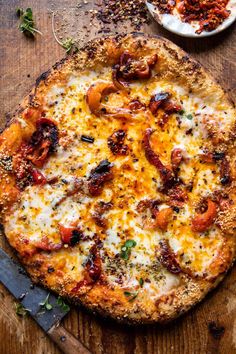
(118,179)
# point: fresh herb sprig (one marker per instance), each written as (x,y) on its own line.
(21,310)
(27,25)
(126,249)
(61,303)
(45,304)
(68,44)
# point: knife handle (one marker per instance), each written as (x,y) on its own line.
(66,341)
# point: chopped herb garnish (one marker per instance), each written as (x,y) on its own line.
(141,281)
(131,295)
(27,25)
(189,116)
(126,249)
(21,310)
(181,112)
(87,139)
(60,302)
(45,304)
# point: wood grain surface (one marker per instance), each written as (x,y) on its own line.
(21,61)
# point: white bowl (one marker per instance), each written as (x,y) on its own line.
(173,23)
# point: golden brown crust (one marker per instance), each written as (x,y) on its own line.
(175,66)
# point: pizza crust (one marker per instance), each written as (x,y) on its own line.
(102,297)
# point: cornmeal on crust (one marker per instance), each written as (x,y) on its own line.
(118,179)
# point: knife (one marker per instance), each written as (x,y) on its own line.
(16,280)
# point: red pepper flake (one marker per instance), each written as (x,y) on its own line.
(116,12)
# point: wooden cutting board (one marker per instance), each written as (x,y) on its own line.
(21,62)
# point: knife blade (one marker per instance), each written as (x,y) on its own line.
(16,280)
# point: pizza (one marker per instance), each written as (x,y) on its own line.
(118,179)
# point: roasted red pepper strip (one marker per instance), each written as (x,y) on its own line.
(202,222)
(94,264)
(70,235)
(116,144)
(38,177)
(130,68)
(163,218)
(225,177)
(167,258)
(166,173)
(178,196)
(98,176)
(162,100)
(176,158)
(43,142)
(48,245)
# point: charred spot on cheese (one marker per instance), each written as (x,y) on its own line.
(87,139)
(211,157)
(98,176)
(116,143)
(70,235)
(225,177)
(75,237)
(167,258)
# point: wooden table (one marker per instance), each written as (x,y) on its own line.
(22,60)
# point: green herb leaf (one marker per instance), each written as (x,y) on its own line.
(189,116)
(19,11)
(27,25)
(130,243)
(68,44)
(141,281)
(61,303)
(126,249)
(181,112)
(131,295)
(21,310)
(45,304)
